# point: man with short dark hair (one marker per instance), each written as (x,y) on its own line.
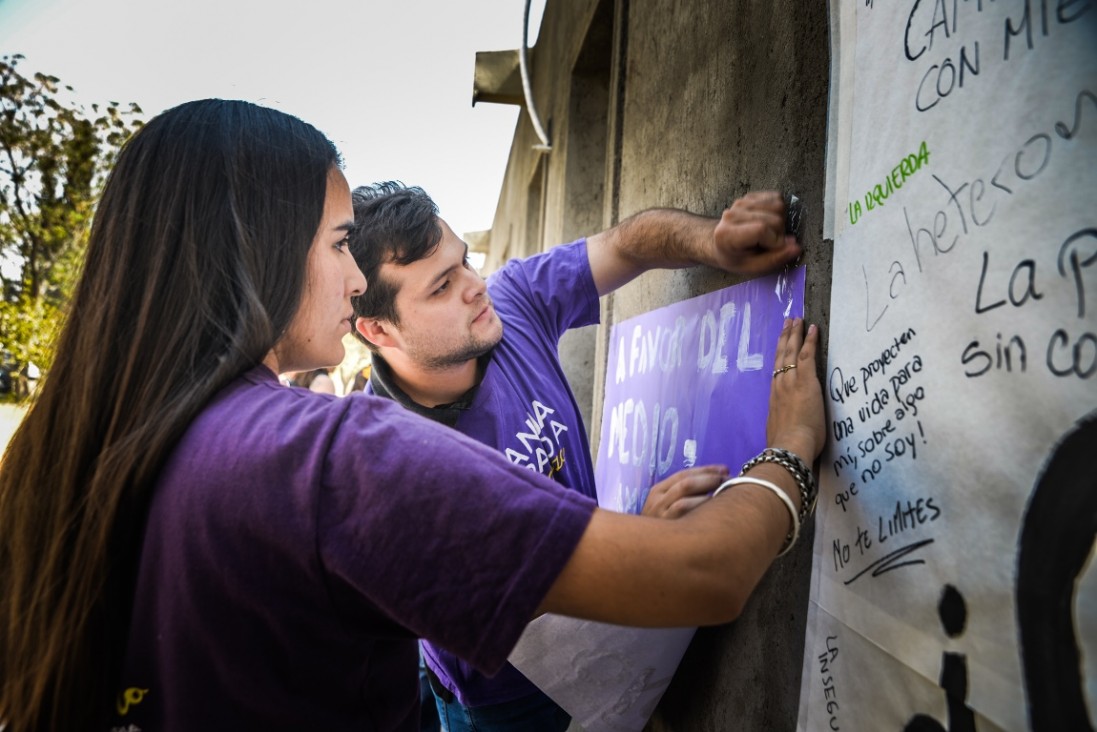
(482,357)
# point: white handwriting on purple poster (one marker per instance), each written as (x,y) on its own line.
(688,384)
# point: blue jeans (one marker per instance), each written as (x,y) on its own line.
(428,712)
(533,713)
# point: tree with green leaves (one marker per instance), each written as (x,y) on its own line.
(54,157)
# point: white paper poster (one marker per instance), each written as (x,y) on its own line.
(953,580)
(609,678)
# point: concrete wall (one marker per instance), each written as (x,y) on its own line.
(668,103)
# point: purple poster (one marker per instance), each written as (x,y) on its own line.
(688,384)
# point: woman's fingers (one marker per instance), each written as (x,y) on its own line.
(680,493)
(796,406)
(793,343)
(810,345)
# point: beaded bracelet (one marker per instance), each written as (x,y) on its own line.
(790,539)
(801,473)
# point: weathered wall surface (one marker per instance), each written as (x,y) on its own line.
(689,105)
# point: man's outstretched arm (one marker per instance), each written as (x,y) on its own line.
(748,239)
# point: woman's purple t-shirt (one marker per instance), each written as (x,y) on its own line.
(298,543)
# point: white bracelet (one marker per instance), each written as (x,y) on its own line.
(790,539)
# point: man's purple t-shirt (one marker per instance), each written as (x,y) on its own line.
(298,543)
(525,409)
(524,406)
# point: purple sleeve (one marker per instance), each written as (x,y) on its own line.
(441,533)
(554,289)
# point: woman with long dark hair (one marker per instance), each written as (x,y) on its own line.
(187,544)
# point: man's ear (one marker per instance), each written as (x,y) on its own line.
(377,332)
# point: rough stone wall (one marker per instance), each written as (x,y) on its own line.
(682,104)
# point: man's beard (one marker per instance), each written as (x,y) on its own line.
(472,348)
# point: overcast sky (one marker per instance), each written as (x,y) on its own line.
(389,82)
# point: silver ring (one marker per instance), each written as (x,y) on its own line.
(783,369)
